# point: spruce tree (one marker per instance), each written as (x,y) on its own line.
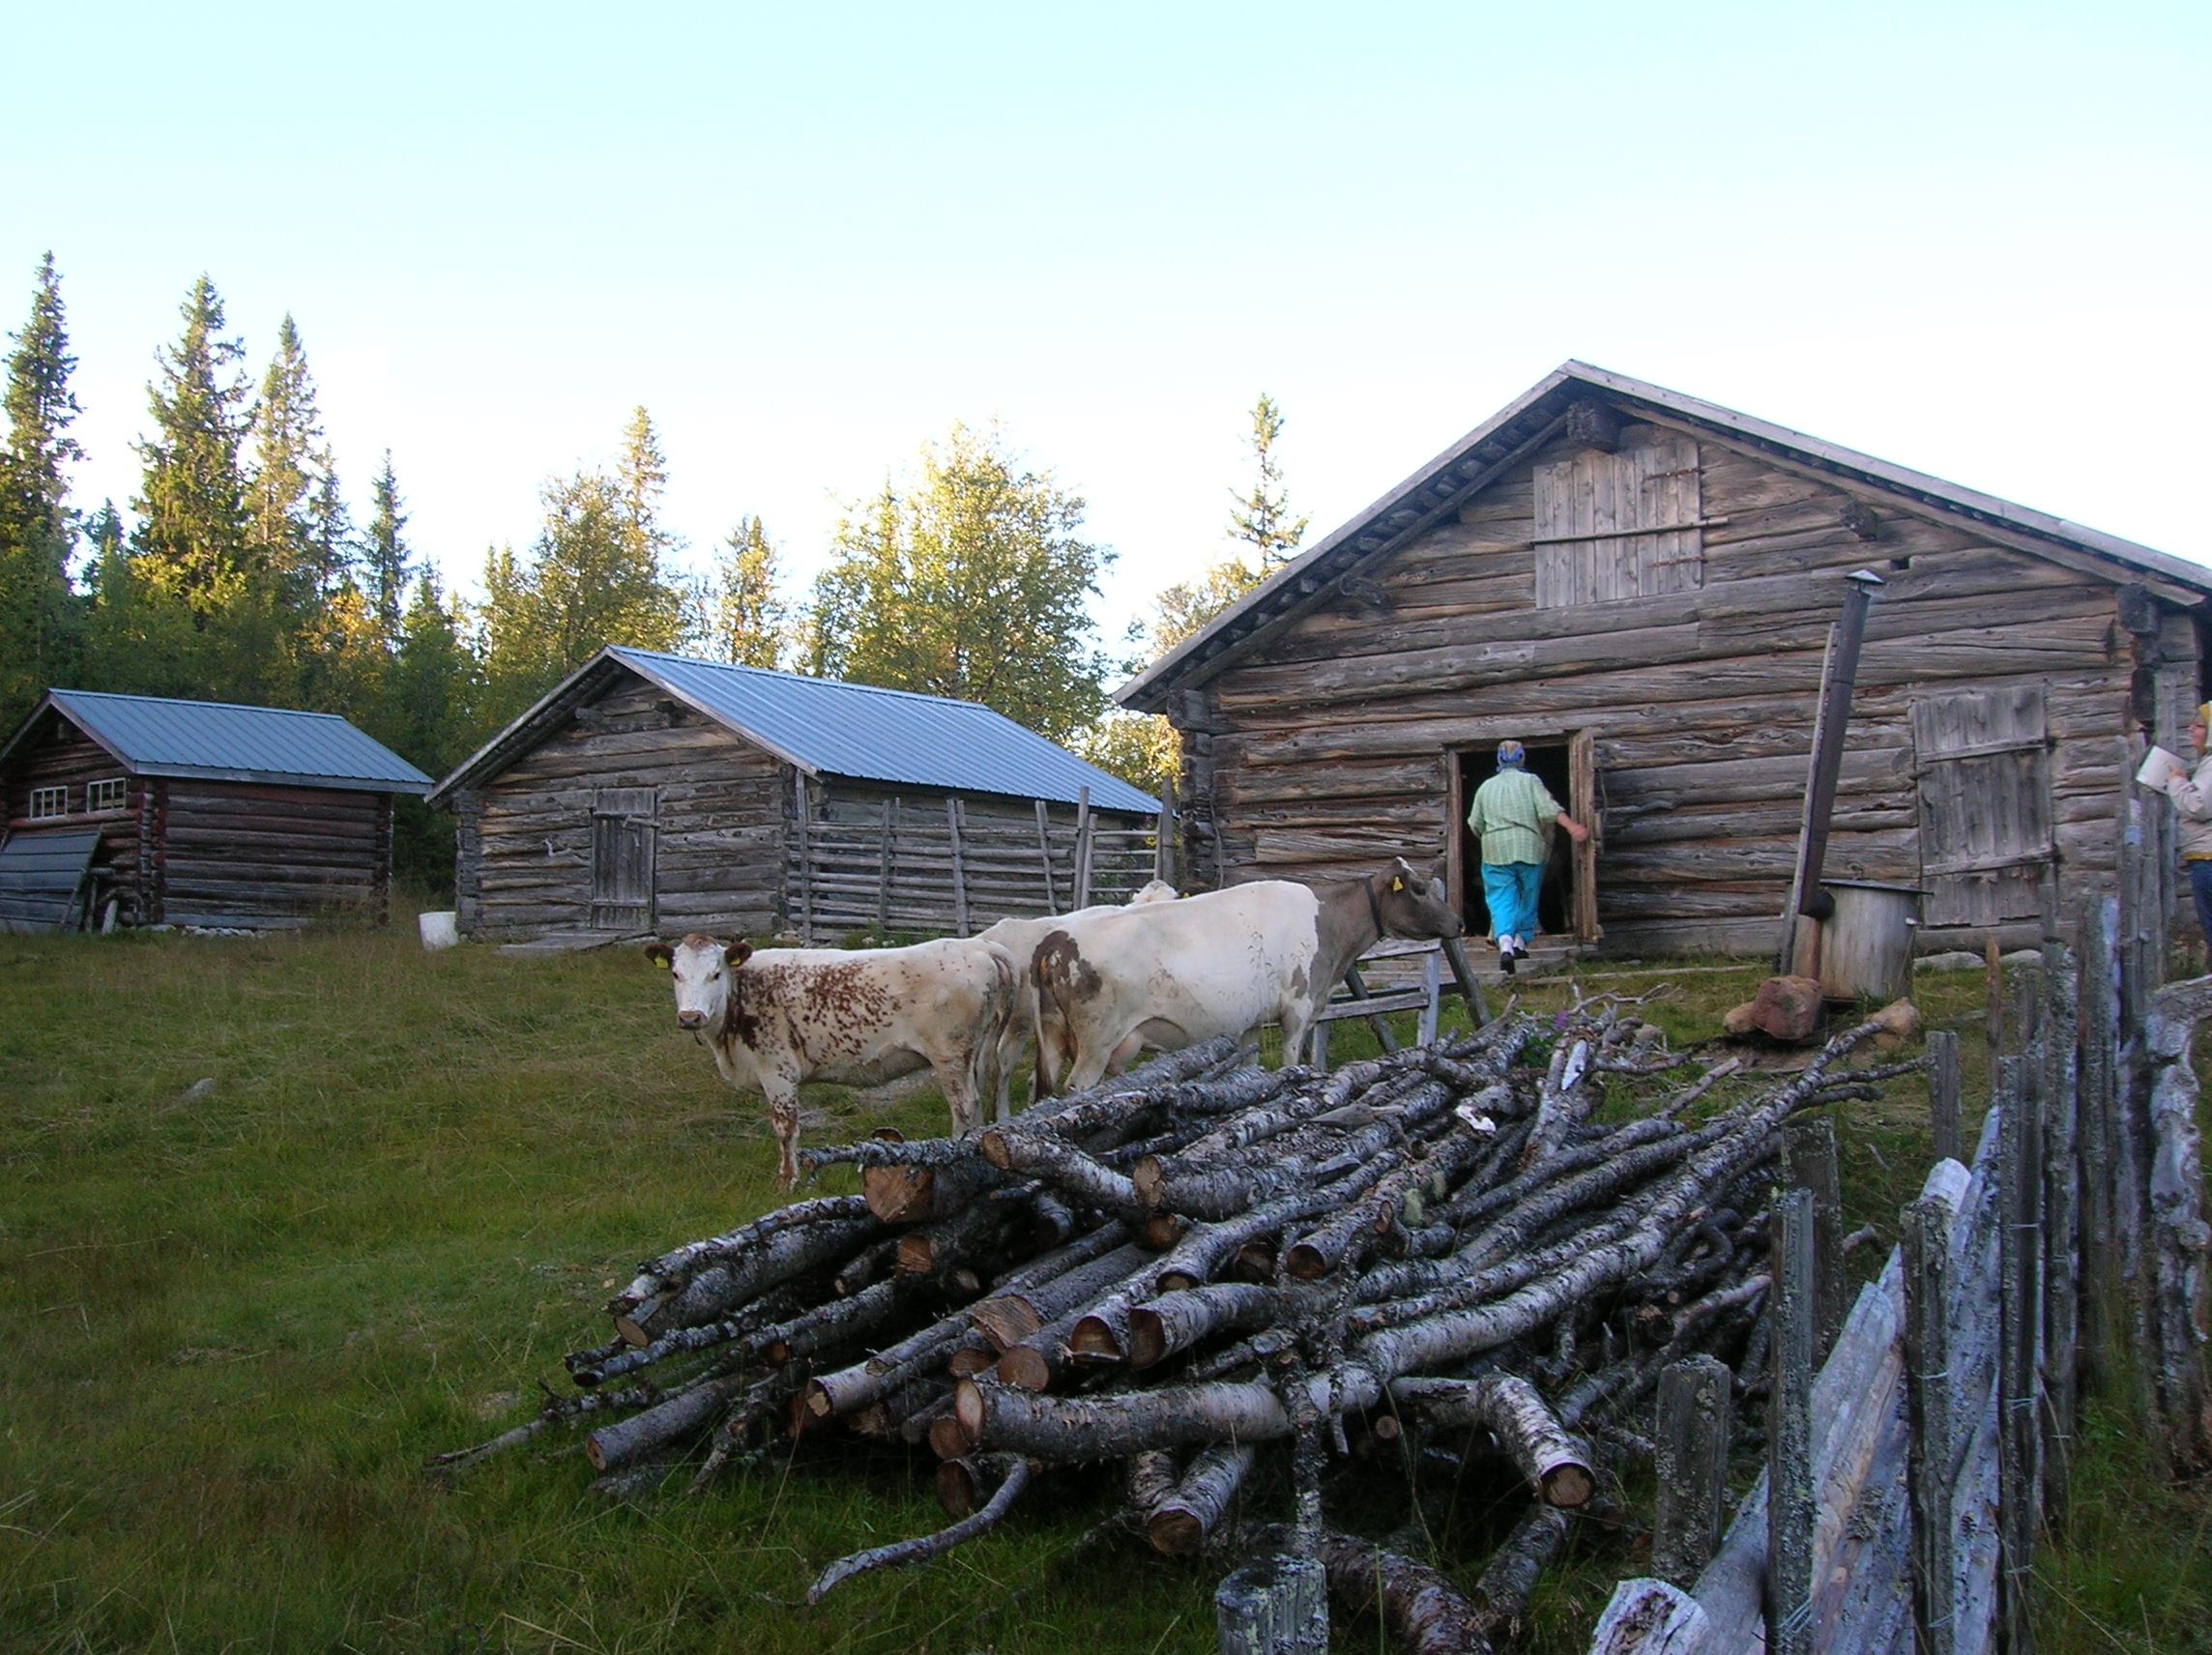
(1263,517)
(750,619)
(387,568)
(188,562)
(298,554)
(41,632)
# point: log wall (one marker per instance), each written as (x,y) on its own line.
(1331,746)
(524,855)
(60,755)
(238,854)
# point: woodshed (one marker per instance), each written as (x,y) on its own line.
(654,793)
(1639,586)
(206,813)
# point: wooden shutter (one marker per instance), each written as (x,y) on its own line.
(1582,806)
(624,836)
(1985,842)
(1614,526)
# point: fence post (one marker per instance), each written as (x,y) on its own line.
(1274,1605)
(1691,1464)
(1044,850)
(883,868)
(1926,1243)
(2100,1033)
(1164,839)
(1943,1093)
(801,826)
(1809,1163)
(2018,1301)
(1083,831)
(959,868)
(1789,1508)
(2062,1205)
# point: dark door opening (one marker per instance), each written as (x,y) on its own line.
(1551,763)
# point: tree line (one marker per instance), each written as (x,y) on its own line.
(239,573)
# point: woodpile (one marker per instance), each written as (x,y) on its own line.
(1203,1272)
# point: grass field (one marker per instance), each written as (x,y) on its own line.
(242,1314)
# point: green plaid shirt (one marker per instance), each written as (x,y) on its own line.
(1512,812)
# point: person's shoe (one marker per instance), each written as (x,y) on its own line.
(1505,957)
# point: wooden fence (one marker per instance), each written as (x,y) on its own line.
(1907,1484)
(901,864)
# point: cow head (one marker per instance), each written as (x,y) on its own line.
(702,969)
(1411,905)
(1151,891)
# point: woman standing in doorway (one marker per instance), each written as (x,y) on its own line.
(1513,815)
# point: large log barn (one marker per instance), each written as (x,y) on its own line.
(1640,587)
(654,793)
(197,813)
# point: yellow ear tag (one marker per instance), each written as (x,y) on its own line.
(664,962)
(1397,885)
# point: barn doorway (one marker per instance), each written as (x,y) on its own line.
(1566,905)
(624,836)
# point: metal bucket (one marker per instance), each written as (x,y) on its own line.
(1866,945)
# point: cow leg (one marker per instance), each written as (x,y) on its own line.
(783,1115)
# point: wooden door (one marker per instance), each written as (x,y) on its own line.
(1984,770)
(624,841)
(1582,806)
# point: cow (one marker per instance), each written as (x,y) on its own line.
(856,1016)
(1020,938)
(1220,962)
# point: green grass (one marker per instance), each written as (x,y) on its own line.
(239,1323)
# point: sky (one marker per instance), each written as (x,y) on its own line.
(1971,240)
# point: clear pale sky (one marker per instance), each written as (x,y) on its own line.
(1969,239)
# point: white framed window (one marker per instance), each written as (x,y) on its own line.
(49,801)
(104,795)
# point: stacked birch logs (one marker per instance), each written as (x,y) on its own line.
(1181,1270)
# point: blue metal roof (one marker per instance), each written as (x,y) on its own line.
(858,731)
(218,741)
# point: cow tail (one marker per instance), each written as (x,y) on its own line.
(1055,1000)
(998,1001)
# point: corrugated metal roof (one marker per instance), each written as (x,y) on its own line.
(894,735)
(218,741)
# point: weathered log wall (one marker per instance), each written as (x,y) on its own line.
(61,755)
(1334,742)
(526,841)
(240,853)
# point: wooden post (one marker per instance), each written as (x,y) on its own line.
(1044,850)
(1692,1440)
(1993,1009)
(1929,1390)
(1164,839)
(2017,1301)
(1357,984)
(1274,1605)
(1463,974)
(1432,984)
(799,826)
(1083,833)
(959,868)
(1839,676)
(883,868)
(2061,1206)
(1943,1093)
(2100,1032)
(1810,1163)
(1790,1507)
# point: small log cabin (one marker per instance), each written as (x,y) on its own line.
(1640,585)
(654,793)
(207,813)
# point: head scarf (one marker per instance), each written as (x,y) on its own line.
(1510,755)
(2204,715)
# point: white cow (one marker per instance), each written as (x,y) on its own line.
(1220,962)
(857,1016)
(1020,938)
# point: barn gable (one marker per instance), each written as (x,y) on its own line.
(1641,587)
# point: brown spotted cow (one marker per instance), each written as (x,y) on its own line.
(1220,962)
(857,1016)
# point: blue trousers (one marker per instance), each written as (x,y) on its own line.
(1510,888)
(2199,888)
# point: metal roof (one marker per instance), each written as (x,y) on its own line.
(1469,465)
(826,726)
(218,741)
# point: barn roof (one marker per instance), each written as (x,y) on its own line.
(1449,482)
(214,741)
(830,728)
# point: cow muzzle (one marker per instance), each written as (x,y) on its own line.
(691,1019)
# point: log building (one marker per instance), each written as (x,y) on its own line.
(207,813)
(1639,586)
(653,792)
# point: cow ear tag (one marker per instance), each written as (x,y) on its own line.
(1397,885)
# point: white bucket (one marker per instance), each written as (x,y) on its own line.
(439,929)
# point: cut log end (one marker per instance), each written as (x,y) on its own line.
(1568,1487)
(899,1194)
(1175,1533)
(1148,1341)
(1025,1368)
(1095,1340)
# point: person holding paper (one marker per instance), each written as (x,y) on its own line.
(2191,793)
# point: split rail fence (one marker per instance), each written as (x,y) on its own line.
(1908,1482)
